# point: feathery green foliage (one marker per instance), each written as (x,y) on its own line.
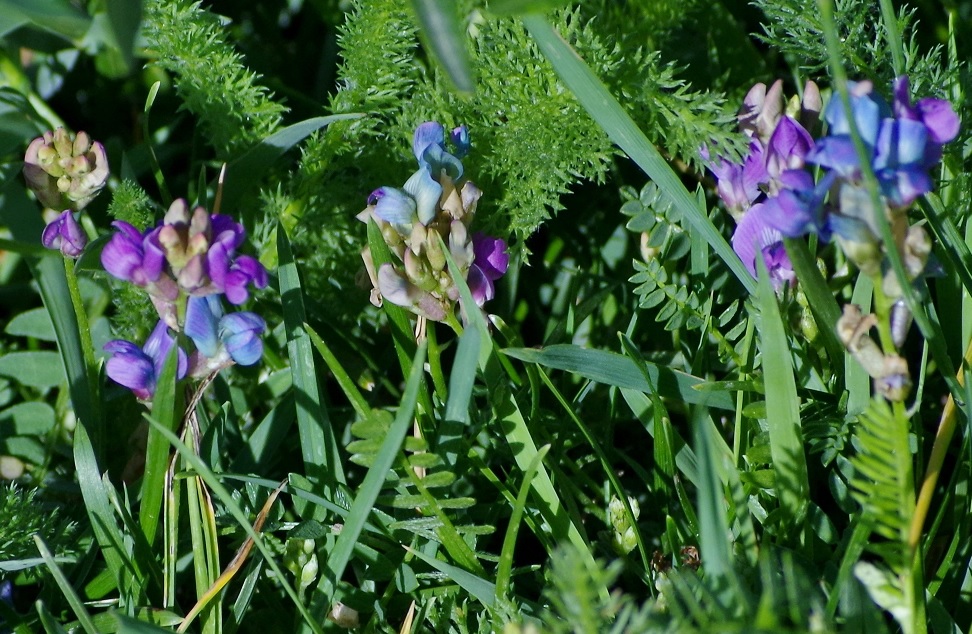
(212,79)
(22,515)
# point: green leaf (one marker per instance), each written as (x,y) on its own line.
(478,587)
(35,323)
(66,589)
(611,116)
(125,20)
(443,32)
(34,418)
(244,173)
(128,625)
(523,7)
(461,381)
(611,368)
(322,461)
(367,494)
(41,369)
(56,16)
(167,410)
(782,409)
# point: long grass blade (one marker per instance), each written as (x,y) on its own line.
(782,409)
(611,116)
(322,460)
(66,589)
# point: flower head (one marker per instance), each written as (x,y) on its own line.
(139,369)
(753,238)
(65,234)
(222,339)
(65,172)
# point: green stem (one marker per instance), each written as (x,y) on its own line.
(84,330)
(435,363)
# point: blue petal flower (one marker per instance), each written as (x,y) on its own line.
(428,146)
(393,205)
(426,193)
(240,333)
(202,319)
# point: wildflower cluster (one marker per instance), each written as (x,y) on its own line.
(65,173)
(185,264)
(433,210)
(772,194)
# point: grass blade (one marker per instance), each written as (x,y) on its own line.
(322,461)
(611,368)
(374,480)
(66,589)
(782,409)
(610,115)
(443,32)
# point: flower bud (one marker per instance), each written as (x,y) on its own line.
(66,235)
(64,172)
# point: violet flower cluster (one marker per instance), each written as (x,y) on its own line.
(773,193)
(65,172)
(434,207)
(186,264)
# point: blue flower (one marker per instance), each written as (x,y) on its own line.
(220,337)
(428,145)
(138,369)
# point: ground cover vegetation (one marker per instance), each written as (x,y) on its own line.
(485,316)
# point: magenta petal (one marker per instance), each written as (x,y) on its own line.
(480,286)
(940,119)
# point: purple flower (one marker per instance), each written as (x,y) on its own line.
(755,237)
(936,114)
(231,276)
(139,368)
(133,257)
(66,235)
(787,148)
(900,161)
(218,336)
(837,151)
(460,140)
(738,184)
(799,207)
(490,262)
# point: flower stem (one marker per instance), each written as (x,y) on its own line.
(946,429)
(84,329)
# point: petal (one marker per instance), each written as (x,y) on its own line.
(240,333)
(752,234)
(244,348)
(252,269)
(201,323)
(836,153)
(460,140)
(51,236)
(399,291)
(903,186)
(157,348)
(940,119)
(480,286)
(490,255)
(121,257)
(900,142)
(426,193)
(427,134)
(394,206)
(788,146)
(129,366)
